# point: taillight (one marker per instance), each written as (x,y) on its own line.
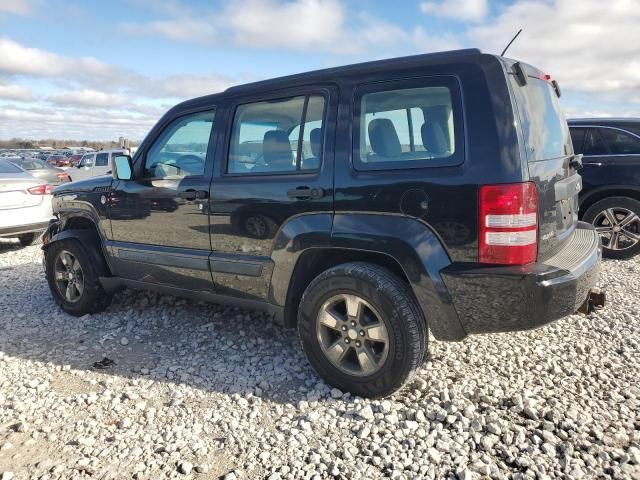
(508,230)
(41,190)
(62,176)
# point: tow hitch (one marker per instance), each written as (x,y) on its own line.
(595,301)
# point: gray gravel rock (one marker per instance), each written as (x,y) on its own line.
(221,392)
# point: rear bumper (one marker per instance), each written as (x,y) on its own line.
(502,299)
(20,229)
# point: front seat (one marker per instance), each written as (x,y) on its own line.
(384,139)
(276,150)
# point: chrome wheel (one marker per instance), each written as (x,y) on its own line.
(352,335)
(618,227)
(68,275)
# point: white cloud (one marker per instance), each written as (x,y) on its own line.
(16,92)
(186,86)
(76,124)
(89,99)
(299,24)
(16,59)
(587,46)
(461,10)
(16,7)
(318,26)
(183,29)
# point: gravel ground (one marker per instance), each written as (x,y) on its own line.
(206,391)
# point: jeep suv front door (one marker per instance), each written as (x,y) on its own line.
(278,164)
(160,232)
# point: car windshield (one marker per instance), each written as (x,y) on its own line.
(8,167)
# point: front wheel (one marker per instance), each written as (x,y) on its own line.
(361,329)
(74,279)
(617,220)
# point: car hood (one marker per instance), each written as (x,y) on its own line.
(88,185)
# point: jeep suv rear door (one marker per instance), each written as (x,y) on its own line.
(277,165)
(549,153)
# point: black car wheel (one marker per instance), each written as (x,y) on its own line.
(73,278)
(617,220)
(362,329)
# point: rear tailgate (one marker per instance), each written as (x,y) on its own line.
(549,154)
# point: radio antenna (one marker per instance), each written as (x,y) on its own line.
(509,44)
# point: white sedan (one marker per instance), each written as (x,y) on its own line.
(25,204)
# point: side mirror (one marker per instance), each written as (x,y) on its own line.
(122,168)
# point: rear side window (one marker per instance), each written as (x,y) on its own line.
(277,136)
(407,124)
(620,142)
(545,129)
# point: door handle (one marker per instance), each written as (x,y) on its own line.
(191,195)
(305,192)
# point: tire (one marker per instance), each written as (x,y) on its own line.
(620,209)
(27,239)
(382,294)
(93,298)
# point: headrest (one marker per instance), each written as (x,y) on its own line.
(384,138)
(315,140)
(433,138)
(276,149)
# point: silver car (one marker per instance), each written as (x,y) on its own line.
(25,204)
(42,170)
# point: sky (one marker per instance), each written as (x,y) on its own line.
(98,70)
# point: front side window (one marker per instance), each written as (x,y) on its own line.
(181,149)
(620,142)
(102,160)
(278,136)
(407,127)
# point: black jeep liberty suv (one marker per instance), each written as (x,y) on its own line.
(366,204)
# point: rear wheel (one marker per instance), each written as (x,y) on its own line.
(362,329)
(27,239)
(73,278)
(617,220)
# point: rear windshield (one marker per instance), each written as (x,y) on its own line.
(544,127)
(6,167)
